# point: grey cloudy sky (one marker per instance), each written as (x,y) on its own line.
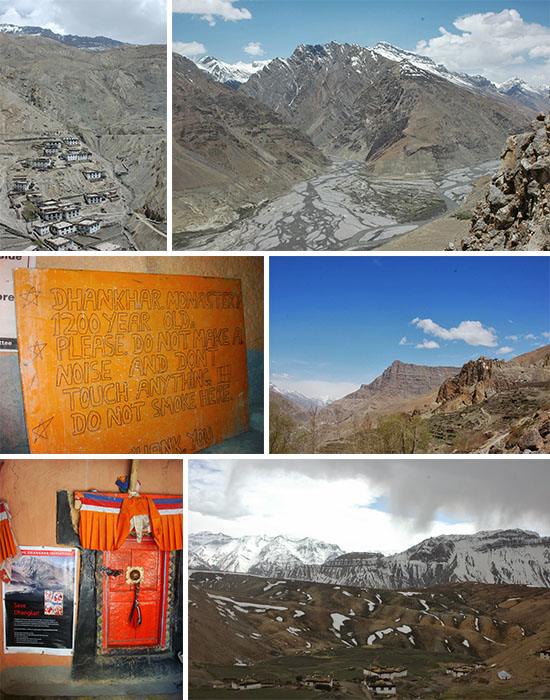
(369,504)
(132,21)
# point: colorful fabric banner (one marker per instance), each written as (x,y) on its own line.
(8,545)
(106,520)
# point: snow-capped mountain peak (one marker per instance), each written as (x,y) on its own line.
(232,74)
(259,554)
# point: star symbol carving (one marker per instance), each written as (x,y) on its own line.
(30,296)
(36,350)
(40,430)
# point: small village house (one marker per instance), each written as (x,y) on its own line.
(63,228)
(93,197)
(42,163)
(41,228)
(314,681)
(93,174)
(88,226)
(50,213)
(387,673)
(71,211)
(21,184)
(59,243)
(381,688)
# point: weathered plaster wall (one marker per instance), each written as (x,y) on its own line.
(29,487)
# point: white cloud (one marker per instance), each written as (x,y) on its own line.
(530,336)
(489,43)
(189,49)
(403,341)
(280,375)
(210,10)
(141,22)
(365,505)
(429,344)
(253,48)
(511,337)
(546,334)
(505,350)
(471,332)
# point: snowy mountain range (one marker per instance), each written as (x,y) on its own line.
(96,43)
(499,556)
(303,402)
(256,554)
(234,74)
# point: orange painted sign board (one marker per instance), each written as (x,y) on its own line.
(130,363)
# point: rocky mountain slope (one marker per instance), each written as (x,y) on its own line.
(398,112)
(516,211)
(400,381)
(113,100)
(267,629)
(87,43)
(230,152)
(257,554)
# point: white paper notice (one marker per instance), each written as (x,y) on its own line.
(8,330)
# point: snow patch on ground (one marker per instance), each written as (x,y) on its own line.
(466,642)
(279,619)
(407,593)
(298,613)
(411,640)
(371,604)
(405,629)
(338,620)
(258,607)
(293,630)
(269,586)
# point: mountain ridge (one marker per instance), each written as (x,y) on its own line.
(511,556)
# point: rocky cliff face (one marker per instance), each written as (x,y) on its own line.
(400,113)
(516,211)
(398,382)
(230,152)
(482,378)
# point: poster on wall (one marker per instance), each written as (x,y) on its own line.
(8,331)
(39,602)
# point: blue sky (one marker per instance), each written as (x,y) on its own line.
(491,38)
(338,322)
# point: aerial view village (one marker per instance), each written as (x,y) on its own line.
(59,197)
(83,132)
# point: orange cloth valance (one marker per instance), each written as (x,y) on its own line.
(8,545)
(106,520)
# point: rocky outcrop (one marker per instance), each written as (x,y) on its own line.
(480,379)
(516,211)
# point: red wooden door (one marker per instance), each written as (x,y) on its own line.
(118,596)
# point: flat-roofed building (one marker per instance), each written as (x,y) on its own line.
(93,174)
(88,226)
(59,243)
(63,228)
